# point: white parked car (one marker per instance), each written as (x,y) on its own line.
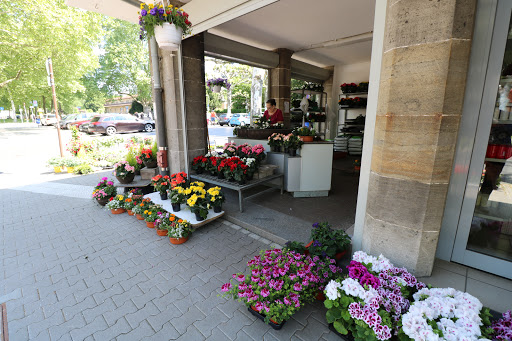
(49,119)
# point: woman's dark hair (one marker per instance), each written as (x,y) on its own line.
(272,102)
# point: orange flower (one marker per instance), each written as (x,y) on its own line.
(172,218)
(180,221)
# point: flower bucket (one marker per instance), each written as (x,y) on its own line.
(161,233)
(272,323)
(168,36)
(306,138)
(216,88)
(178,241)
(126,180)
(130,212)
(57,169)
(117,210)
(150,224)
(70,169)
(138,216)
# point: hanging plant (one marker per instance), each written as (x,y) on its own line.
(168,24)
(215,84)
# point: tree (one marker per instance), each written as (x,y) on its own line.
(136,107)
(31,31)
(124,64)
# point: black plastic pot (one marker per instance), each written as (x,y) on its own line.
(221,175)
(292,152)
(127,179)
(176,207)
(150,164)
(198,216)
(262,317)
(217,209)
(163,196)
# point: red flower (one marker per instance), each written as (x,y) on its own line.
(111,198)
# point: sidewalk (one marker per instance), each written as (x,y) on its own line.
(85,274)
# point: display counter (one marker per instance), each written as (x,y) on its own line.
(306,175)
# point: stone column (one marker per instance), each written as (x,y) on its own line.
(424,65)
(280,79)
(195,102)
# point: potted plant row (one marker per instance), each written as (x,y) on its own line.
(348,88)
(305,134)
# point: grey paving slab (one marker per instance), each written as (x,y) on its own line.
(84,274)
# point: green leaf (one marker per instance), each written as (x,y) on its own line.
(340,328)
(330,316)
(328,304)
(346,315)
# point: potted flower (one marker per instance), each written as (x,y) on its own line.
(133,158)
(502,328)
(216,198)
(230,149)
(116,204)
(179,179)
(71,163)
(348,88)
(57,163)
(215,84)
(292,142)
(161,230)
(357,165)
(197,202)
(445,311)
(178,230)
(103,191)
(139,209)
(258,152)
(363,87)
(305,134)
(148,158)
(199,164)
(151,214)
(124,172)
(279,283)
(167,24)
(161,185)
(177,196)
(236,170)
(129,204)
(370,301)
(252,167)
(213,164)
(275,141)
(328,242)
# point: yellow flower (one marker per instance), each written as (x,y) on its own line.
(187,191)
(151,6)
(160,6)
(142,5)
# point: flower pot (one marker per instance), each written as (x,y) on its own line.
(150,224)
(150,164)
(292,152)
(137,171)
(199,171)
(217,209)
(221,175)
(57,169)
(198,216)
(340,255)
(176,207)
(70,169)
(213,173)
(502,152)
(492,151)
(117,210)
(163,196)
(127,179)
(216,88)
(320,296)
(306,138)
(103,201)
(161,233)
(168,36)
(259,315)
(130,212)
(177,241)
(138,216)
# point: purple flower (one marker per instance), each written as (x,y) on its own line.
(143,12)
(297,287)
(287,301)
(153,11)
(161,11)
(317,243)
(265,292)
(226,287)
(105,178)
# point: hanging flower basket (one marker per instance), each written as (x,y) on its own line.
(168,24)
(216,84)
(168,36)
(216,88)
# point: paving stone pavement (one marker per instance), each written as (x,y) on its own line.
(86,274)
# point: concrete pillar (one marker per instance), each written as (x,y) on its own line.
(195,102)
(331,113)
(424,64)
(280,79)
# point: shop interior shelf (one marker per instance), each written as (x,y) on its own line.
(495,160)
(184,213)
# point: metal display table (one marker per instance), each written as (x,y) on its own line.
(239,188)
(184,213)
(137,182)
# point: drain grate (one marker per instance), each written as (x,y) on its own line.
(4,334)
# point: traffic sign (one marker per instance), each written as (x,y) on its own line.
(1,108)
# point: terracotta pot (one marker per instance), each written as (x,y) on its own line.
(117,210)
(130,212)
(306,138)
(127,179)
(138,216)
(177,241)
(307,247)
(150,224)
(161,233)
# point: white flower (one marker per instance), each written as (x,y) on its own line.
(331,290)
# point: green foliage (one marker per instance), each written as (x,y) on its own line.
(295,246)
(328,241)
(83,169)
(233,111)
(136,107)
(55,162)
(30,32)
(154,150)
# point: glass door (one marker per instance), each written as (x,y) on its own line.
(484,236)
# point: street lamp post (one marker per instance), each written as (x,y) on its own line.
(49,69)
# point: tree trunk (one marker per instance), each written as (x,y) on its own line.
(44,105)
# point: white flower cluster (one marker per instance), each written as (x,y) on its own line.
(456,314)
(215,153)
(331,290)
(249,161)
(378,264)
(352,287)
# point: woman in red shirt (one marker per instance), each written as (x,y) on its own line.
(272,113)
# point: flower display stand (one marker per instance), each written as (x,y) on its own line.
(184,213)
(137,182)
